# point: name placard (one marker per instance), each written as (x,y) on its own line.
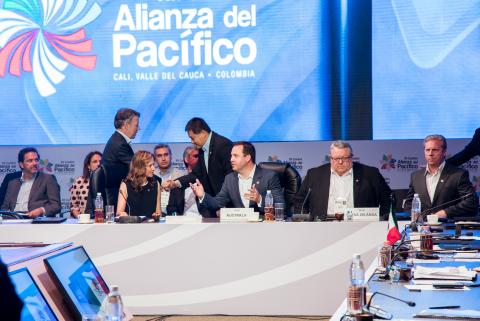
(238,215)
(363,214)
(183,219)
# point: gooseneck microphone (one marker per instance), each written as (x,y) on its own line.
(305,200)
(128,219)
(376,311)
(422,214)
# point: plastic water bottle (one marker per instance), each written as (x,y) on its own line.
(416,209)
(99,216)
(269,210)
(114,306)
(356,290)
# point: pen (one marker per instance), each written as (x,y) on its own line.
(446,307)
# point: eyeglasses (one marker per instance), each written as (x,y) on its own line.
(195,156)
(343,159)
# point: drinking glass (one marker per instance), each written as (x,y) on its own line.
(109,213)
(279,211)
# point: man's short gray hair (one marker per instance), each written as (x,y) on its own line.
(436,137)
(341,144)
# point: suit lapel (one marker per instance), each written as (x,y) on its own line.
(441,183)
(236,190)
(257,179)
(423,191)
(35,184)
(356,183)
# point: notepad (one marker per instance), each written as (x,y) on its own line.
(449,314)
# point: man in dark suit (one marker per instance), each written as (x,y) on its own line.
(441,183)
(356,184)
(214,158)
(470,151)
(32,192)
(246,186)
(118,153)
(6,179)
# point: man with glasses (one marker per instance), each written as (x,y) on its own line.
(184,201)
(342,180)
(33,192)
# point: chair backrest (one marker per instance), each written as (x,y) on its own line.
(400,196)
(290,181)
(106,180)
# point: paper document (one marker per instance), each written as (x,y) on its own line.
(444,273)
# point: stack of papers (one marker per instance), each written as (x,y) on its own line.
(449,314)
(444,273)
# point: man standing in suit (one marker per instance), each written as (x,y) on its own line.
(342,180)
(441,183)
(118,153)
(246,186)
(32,192)
(470,151)
(214,158)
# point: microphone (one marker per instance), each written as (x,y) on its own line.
(305,200)
(424,213)
(128,219)
(376,311)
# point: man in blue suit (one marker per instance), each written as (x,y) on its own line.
(246,186)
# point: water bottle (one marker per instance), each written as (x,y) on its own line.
(99,217)
(269,210)
(416,209)
(357,290)
(114,307)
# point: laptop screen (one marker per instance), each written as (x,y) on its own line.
(35,306)
(79,280)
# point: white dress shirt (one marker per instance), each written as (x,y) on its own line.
(24,194)
(244,184)
(432,180)
(340,187)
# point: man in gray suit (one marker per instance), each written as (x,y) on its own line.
(246,186)
(33,192)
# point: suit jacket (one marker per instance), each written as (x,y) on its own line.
(45,193)
(218,166)
(470,151)
(6,179)
(453,183)
(118,153)
(263,179)
(176,204)
(369,190)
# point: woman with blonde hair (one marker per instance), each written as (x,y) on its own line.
(140,192)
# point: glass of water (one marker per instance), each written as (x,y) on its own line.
(279,211)
(109,213)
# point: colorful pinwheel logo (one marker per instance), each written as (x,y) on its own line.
(388,162)
(45,166)
(44,37)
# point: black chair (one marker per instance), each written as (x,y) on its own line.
(400,196)
(290,181)
(106,180)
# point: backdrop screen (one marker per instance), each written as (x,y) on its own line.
(255,70)
(425,68)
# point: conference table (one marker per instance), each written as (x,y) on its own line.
(278,268)
(467,298)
